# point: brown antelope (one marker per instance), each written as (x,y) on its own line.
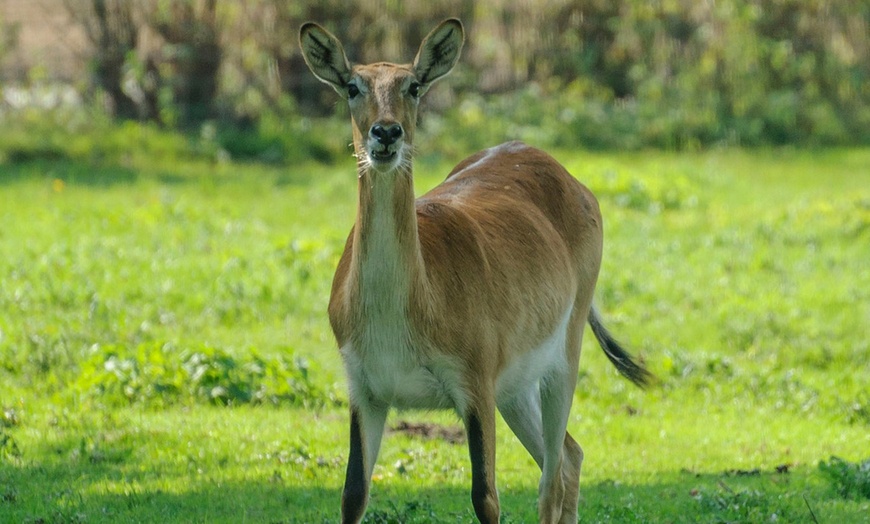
(472,297)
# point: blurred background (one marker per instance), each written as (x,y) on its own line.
(176,189)
(596,74)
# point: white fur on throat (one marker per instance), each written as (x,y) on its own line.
(388,364)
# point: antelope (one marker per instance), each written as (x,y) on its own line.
(472,297)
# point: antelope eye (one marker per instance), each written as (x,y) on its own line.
(352,90)
(414,89)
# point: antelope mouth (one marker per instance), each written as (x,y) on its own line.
(383,156)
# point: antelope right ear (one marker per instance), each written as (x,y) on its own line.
(325,56)
(439,51)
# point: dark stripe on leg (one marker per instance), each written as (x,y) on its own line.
(480,494)
(353,500)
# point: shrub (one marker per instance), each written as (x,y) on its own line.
(850,480)
(160,374)
(626,74)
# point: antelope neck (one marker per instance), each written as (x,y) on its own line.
(386,248)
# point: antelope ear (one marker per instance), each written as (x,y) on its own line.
(439,51)
(325,56)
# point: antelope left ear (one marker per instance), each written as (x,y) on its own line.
(439,51)
(325,56)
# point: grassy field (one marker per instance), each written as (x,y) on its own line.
(166,355)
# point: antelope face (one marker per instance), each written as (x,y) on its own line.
(383,97)
(383,100)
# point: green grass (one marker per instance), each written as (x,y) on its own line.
(742,277)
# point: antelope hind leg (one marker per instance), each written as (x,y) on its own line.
(523,415)
(572,460)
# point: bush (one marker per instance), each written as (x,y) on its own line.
(742,506)
(601,75)
(850,480)
(161,374)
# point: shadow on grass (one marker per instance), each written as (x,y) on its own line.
(67,170)
(107,491)
(95,174)
(60,497)
(104,477)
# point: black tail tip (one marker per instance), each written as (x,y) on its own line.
(628,367)
(638,374)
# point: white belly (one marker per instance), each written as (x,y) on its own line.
(398,375)
(527,370)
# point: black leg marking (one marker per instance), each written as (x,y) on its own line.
(479,484)
(353,500)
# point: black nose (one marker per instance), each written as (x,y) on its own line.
(387,135)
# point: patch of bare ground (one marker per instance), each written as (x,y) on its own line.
(429,431)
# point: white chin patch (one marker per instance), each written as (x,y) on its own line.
(384,161)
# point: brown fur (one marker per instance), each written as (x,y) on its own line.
(452,292)
(506,228)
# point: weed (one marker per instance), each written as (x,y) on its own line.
(410,512)
(8,447)
(8,496)
(9,418)
(850,480)
(858,411)
(160,374)
(746,505)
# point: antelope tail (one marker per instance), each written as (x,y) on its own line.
(624,362)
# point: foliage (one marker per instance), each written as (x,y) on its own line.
(742,506)
(9,35)
(605,75)
(850,480)
(8,446)
(188,62)
(410,512)
(153,60)
(85,136)
(160,375)
(112,30)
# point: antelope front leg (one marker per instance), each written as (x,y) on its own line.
(480,427)
(366,430)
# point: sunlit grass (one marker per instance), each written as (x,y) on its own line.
(741,277)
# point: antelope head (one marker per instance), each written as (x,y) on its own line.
(383,97)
